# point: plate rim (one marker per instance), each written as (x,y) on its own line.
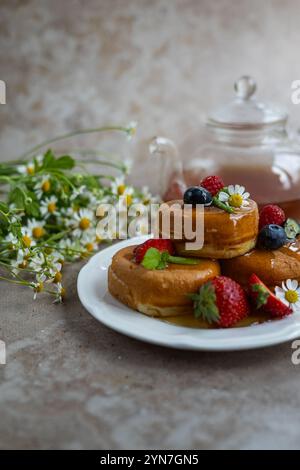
(174,336)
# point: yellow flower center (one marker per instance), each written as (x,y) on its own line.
(57,277)
(26,240)
(235,200)
(30,170)
(23,264)
(121,189)
(39,287)
(51,207)
(84,223)
(38,232)
(89,247)
(128,199)
(291,296)
(46,186)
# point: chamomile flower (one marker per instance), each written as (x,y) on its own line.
(12,241)
(289,294)
(128,196)
(131,129)
(37,262)
(83,220)
(236,196)
(27,239)
(36,228)
(147,197)
(43,186)
(90,244)
(49,207)
(80,191)
(118,186)
(21,261)
(60,293)
(28,169)
(38,285)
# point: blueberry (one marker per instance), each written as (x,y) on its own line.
(271,237)
(197,195)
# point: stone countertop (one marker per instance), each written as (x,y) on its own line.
(71,383)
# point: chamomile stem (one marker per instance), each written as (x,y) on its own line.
(71,134)
(181,260)
(221,205)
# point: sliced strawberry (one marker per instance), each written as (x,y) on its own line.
(264,299)
(160,244)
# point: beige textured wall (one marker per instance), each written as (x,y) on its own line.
(76,63)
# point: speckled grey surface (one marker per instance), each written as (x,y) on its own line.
(70,382)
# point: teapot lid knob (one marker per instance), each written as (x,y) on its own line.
(245,87)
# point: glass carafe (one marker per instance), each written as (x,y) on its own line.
(246,143)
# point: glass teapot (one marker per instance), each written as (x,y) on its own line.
(245,142)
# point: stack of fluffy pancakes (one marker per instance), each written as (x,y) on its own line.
(229,248)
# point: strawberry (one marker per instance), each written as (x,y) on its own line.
(271,214)
(263,298)
(222,301)
(160,244)
(213,184)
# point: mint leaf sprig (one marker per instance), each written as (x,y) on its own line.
(155,259)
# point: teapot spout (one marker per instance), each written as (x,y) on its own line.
(171,183)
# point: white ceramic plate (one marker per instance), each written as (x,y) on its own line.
(93,294)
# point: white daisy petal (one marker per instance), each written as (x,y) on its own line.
(294,284)
(279,291)
(289,284)
(223,197)
(230,189)
(284,286)
(246,195)
(239,189)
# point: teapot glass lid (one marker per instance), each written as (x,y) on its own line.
(245,112)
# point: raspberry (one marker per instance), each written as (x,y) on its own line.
(160,244)
(213,184)
(271,214)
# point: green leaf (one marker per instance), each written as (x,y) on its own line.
(262,294)
(49,159)
(65,162)
(16,196)
(32,209)
(205,303)
(153,259)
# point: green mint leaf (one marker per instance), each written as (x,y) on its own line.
(153,259)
